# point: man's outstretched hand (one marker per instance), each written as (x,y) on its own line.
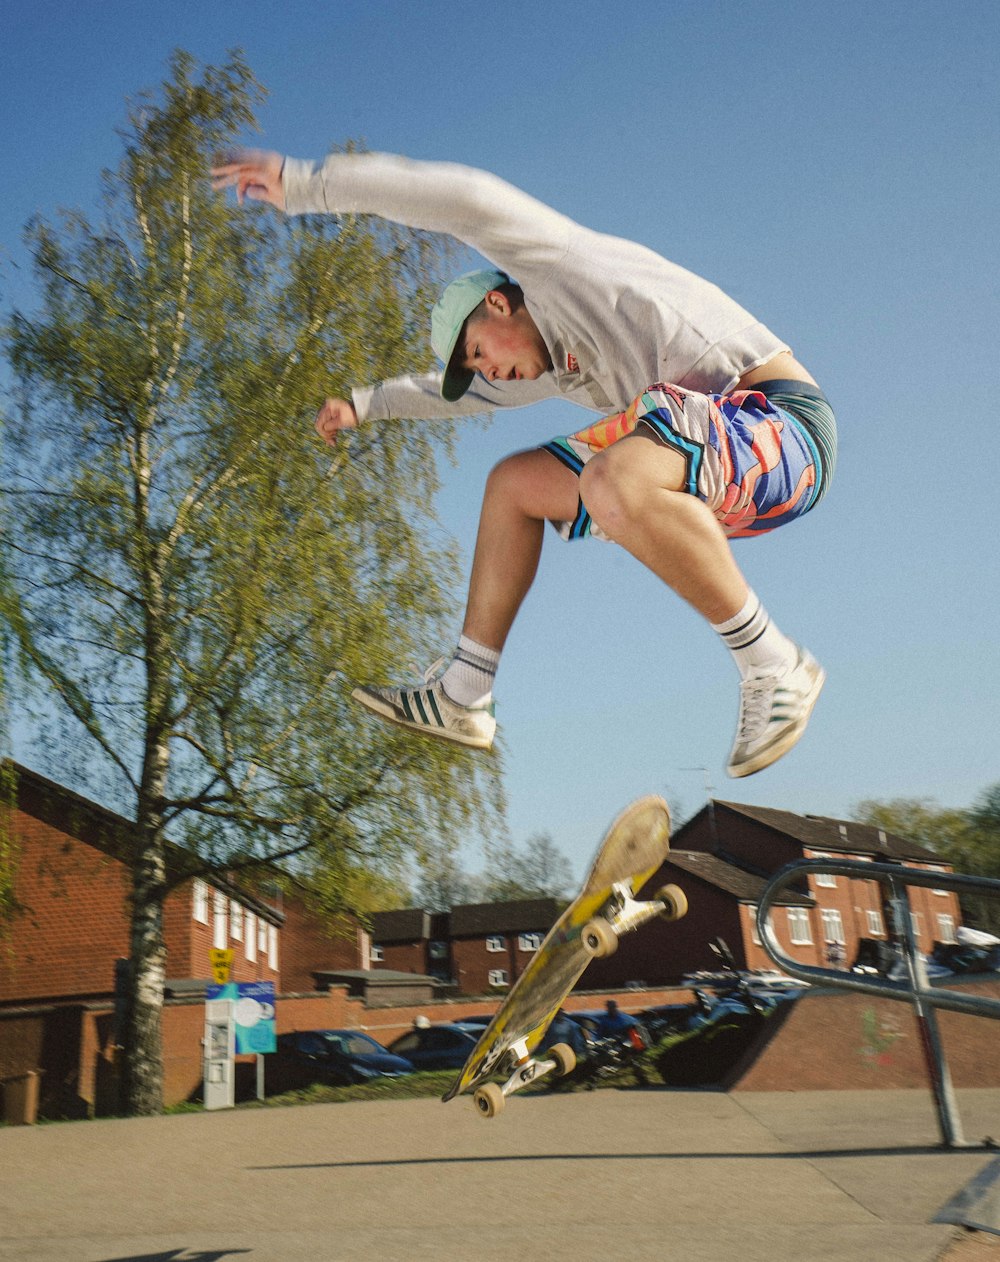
(333,416)
(254,173)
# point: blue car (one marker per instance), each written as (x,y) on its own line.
(436,1046)
(338,1057)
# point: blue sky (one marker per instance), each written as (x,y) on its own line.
(833,167)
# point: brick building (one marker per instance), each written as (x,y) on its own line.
(722,859)
(478,947)
(844,911)
(72,883)
(410,940)
(493,943)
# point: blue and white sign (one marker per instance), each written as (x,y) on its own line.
(253,1012)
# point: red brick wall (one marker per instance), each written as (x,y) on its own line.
(309,942)
(75,920)
(403,957)
(473,962)
(839,1042)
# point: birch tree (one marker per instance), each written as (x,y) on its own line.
(192,580)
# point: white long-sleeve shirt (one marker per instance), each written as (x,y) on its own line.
(615,316)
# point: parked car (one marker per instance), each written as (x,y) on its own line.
(436,1046)
(338,1057)
(476,1023)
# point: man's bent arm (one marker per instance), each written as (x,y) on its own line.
(419,397)
(512,229)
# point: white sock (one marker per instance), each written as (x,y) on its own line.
(468,679)
(756,644)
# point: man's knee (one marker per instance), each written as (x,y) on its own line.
(506,476)
(533,483)
(613,490)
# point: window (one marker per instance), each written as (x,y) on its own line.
(494,942)
(946,927)
(250,937)
(529,941)
(498,977)
(261,935)
(437,950)
(798,926)
(825,879)
(272,947)
(943,893)
(915,923)
(199,895)
(377,955)
(833,926)
(876,927)
(236,921)
(220,927)
(754,934)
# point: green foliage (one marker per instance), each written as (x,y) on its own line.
(967,839)
(191,575)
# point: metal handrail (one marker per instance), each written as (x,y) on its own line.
(917,988)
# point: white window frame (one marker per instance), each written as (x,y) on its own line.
(261,936)
(199,900)
(937,868)
(220,921)
(833,926)
(754,935)
(495,942)
(799,929)
(529,941)
(946,927)
(377,954)
(250,937)
(498,977)
(915,923)
(876,924)
(272,947)
(236,920)
(826,879)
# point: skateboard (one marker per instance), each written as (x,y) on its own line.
(633,848)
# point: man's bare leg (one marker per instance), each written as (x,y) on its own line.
(522,493)
(634,491)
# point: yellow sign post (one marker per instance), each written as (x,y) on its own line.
(222,964)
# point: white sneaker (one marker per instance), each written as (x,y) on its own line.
(430,710)
(774,711)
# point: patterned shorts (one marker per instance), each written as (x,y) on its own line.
(754,464)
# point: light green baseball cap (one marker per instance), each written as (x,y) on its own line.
(450,313)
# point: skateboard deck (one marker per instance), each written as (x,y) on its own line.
(633,848)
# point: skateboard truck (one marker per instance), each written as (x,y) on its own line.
(622,913)
(489,1098)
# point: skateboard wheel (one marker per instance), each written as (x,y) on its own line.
(488,1099)
(599,939)
(565,1058)
(674,900)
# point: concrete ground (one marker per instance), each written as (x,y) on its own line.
(704,1176)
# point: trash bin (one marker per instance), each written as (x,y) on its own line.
(20,1098)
